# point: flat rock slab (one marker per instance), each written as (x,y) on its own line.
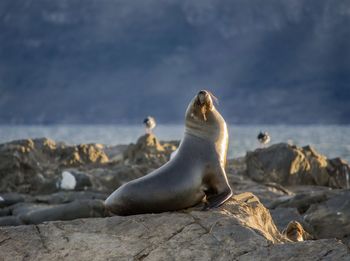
(242,229)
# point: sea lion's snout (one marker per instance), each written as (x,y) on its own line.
(203,97)
(202,104)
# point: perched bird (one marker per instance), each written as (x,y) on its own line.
(150,124)
(263,137)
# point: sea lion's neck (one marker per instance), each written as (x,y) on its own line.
(214,129)
(199,132)
(215,132)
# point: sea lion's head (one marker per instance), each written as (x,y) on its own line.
(201,105)
(204,121)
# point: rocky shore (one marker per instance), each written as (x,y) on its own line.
(289,203)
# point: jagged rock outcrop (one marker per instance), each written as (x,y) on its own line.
(291,165)
(149,150)
(130,162)
(38,166)
(32,166)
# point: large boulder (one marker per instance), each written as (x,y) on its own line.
(291,165)
(241,229)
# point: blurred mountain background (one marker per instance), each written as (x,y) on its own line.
(111,62)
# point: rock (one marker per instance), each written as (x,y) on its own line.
(149,150)
(346,241)
(84,154)
(295,232)
(302,201)
(10,221)
(5,212)
(69,196)
(280,163)
(241,229)
(266,193)
(24,208)
(326,213)
(339,172)
(109,179)
(115,153)
(307,251)
(33,166)
(69,211)
(36,166)
(291,165)
(318,167)
(236,166)
(330,218)
(35,213)
(8,199)
(282,217)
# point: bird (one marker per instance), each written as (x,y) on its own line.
(263,137)
(150,124)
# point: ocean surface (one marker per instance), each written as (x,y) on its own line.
(330,140)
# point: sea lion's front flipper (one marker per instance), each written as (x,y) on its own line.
(217,200)
(219,191)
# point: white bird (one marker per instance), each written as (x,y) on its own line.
(263,137)
(68,181)
(150,124)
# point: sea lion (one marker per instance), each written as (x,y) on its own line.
(196,172)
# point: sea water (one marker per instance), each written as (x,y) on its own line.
(330,140)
